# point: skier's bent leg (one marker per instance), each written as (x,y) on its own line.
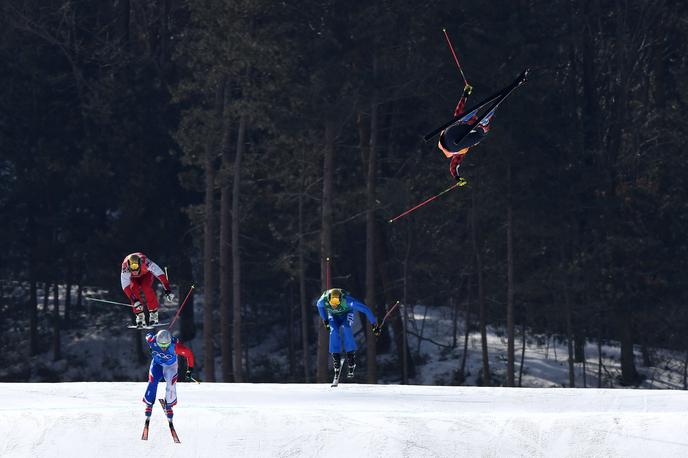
(151,297)
(350,363)
(154,376)
(335,342)
(170,388)
(349,340)
(336,361)
(171,376)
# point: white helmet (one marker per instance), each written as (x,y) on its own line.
(163,338)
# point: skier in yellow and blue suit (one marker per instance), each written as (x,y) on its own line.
(336,307)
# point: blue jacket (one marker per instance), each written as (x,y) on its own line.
(348,303)
(168,356)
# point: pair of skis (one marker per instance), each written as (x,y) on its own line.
(144,435)
(147,326)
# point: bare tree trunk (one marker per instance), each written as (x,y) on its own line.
(685,372)
(585,382)
(57,348)
(523,351)
(186,317)
(33,315)
(236,253)
(370,237)
(209,248)
(405,264)
(123,14)
(225,249)
(467,320)
(33,305)
(303,299)
(481,292)
(569,334)
(510,285)
(599,360)
(68,300)
(290,336)
(326,240)
(46,299)
(455,320)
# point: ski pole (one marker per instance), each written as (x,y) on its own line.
(195,380)
(455,185)
(396,304)
(456,59)
(327,273)
(179,310)
(107,302)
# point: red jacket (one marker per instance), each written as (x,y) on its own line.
(148,267)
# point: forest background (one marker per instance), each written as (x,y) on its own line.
(242,143)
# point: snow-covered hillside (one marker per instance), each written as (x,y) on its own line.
(98,347)
(276,420)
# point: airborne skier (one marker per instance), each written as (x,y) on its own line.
(466,131)
(137,277)
(336,307)
(470,129)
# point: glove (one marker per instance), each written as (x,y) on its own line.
(189,374)
(137,307)
(326,323)
(169,295)
(468,89)
(377,330)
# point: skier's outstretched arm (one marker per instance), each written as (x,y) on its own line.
(362,308)
(186,352)
(159,274)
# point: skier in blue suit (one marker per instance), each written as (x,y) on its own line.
(336,307)
(165,349)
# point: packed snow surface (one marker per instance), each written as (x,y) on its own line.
(353,420)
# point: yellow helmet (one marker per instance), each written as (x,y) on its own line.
(134,263)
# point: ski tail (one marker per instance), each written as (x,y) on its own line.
(144,435)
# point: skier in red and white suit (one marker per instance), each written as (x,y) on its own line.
(137,283)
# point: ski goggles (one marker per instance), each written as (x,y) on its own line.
(335,298)
(134,265)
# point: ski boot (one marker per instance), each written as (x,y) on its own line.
(140,320)
(336,364)
(168,411)
(351,363)
(149,410)
(460,181)
(153,318)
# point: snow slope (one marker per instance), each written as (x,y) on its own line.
(275,420)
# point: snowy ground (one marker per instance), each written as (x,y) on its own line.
(277,420)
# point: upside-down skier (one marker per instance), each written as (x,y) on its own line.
(337,309)
(472,128)
(137,276)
